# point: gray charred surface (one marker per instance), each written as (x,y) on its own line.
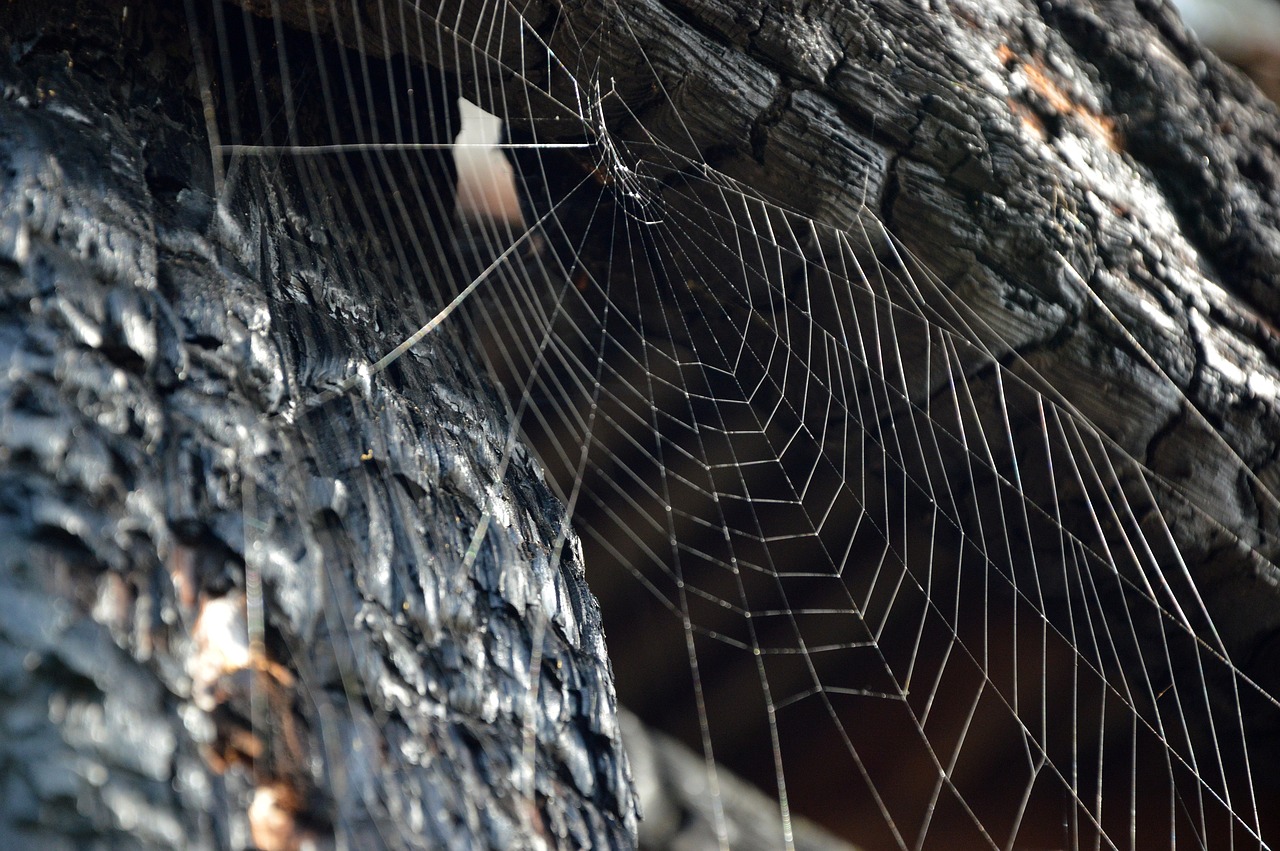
(156,463)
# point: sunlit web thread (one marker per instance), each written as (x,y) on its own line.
(887,395)
(1006,483)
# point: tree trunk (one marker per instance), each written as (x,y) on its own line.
(163,492)
(234,618)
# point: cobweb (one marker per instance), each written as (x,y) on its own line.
(849,543)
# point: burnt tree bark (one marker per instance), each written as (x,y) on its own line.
(154,343)
(1055,165)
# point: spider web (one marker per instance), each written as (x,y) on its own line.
(848,541)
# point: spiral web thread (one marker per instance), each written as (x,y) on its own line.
(856,516)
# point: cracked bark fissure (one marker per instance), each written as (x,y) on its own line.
(1095,193)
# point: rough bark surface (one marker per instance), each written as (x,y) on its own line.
(154,483)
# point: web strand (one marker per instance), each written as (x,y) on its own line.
(855,511)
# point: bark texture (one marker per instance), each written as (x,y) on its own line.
(155,483)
